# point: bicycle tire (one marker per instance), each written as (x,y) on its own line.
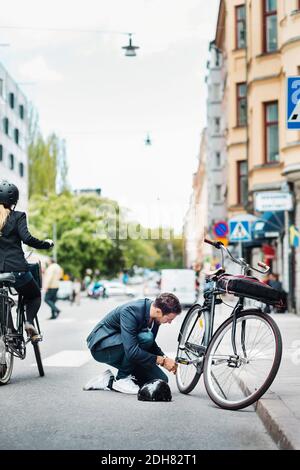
(210,378)
(37,353)
(188,387)
(5,375)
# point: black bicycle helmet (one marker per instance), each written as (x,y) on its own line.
(155,390)
(9,194)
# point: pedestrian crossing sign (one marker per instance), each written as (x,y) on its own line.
(293,102)
(240,231)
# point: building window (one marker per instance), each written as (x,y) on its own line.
(21,111)
(16,136)
(270,25)
(242,170)
(21,169)
(271,132)
(216,91)
(218,159)
(241,92)
(218,192)
(240,26)
(11,161)
(217,125)
(1,153)
(6,125)
(12,100)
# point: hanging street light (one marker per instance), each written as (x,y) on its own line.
(148,140)
(130,49)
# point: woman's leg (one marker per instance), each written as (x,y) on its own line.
(32,299)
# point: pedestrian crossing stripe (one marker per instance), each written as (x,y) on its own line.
(295,116)
(67,358)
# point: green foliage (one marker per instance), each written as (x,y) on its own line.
(48,168)
(82,224)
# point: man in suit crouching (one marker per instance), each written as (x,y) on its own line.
(125,339)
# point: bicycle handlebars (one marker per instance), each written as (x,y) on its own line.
(241,262)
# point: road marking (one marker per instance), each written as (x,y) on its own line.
(65,320)
(67,359)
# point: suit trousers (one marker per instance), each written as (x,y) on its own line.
(115,356)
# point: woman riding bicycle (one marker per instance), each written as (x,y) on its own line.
(13,231)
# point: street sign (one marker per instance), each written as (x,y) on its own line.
(220,229)
(239,230)
(293,103)
(223,240)
(271,201)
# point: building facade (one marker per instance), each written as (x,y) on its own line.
(260,42)
(216,160)
(197,252)
(13,136)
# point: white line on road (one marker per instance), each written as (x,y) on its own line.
(67,359)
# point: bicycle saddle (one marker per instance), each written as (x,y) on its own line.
(7,277)
(214,274)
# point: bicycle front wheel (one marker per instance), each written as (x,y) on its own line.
(235,381)
(6,367)
(193,339)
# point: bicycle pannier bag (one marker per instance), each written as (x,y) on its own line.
(251,287)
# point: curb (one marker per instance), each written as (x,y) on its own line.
(279,421)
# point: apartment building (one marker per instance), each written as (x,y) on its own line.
(197,254)
(260,42)
(216,160)
(13,136)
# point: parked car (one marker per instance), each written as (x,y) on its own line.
(116,288)
(135,280)
(65,290)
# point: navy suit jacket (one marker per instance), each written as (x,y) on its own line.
(122,326)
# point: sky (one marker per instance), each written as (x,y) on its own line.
(104,104)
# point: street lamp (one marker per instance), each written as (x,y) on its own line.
(130,49)
(148,140)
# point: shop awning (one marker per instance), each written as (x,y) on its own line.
(269,225)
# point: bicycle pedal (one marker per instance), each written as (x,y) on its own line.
(182,360)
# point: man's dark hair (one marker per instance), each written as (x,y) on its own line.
(168,303)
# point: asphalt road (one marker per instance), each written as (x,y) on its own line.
(54,412)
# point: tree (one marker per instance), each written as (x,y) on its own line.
(48,168)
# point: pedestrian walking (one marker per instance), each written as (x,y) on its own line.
(53,274)
(76,291)
(125,339)
(13,231)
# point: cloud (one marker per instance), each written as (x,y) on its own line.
(38,70)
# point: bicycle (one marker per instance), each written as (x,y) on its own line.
(240,360)
(12,341)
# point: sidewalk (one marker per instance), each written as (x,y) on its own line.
(279,408)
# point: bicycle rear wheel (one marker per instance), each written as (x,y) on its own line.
(236,381)
(7,367)
(193,339)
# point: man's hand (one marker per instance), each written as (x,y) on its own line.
(167,363)
(170,365)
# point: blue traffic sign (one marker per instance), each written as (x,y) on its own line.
(221,229)
(240,231)
(293,103)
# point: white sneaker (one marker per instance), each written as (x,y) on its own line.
(100,382)
(126,385)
